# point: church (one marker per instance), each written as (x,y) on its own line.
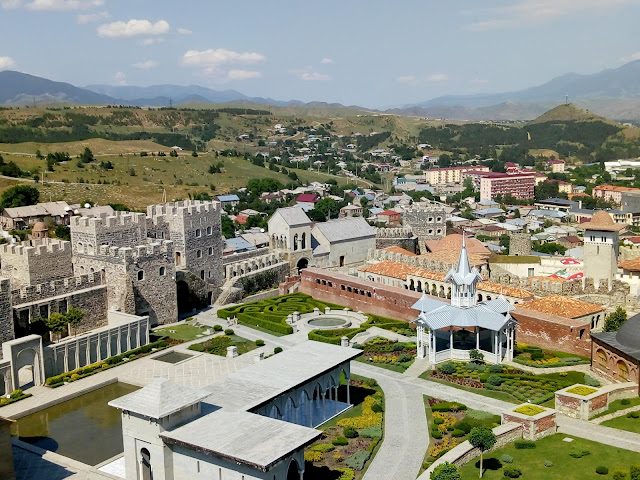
(449,331)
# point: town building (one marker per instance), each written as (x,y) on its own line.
(612,193)
(307,201)
(438,176)
(616,355)
(601,248)
(391,218)
(19,218)
(351,211)
(520,186)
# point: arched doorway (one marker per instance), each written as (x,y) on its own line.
(27,368)
(294,471)
(602,359)
(623,371)
(302,264)
(145,465)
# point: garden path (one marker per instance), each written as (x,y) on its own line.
(619,413)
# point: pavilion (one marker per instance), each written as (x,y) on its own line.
(448,331)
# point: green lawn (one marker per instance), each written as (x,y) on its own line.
(624,422)
(218,345)
(617,405)
(555,450)
(184,332)
(264,330)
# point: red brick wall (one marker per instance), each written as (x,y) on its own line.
(379,299)
(598,402)
(567,401)
(554,336)
(289,282)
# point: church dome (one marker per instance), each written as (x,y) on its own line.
(629,333)
(39,227)
(601,219)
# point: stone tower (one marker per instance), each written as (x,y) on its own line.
(519,244)
(428,222)
(601,249)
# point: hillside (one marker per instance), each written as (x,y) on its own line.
(568,113)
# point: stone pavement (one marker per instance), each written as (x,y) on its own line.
(30,466)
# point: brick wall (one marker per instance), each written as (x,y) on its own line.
(533,429)
(599,402)
(542,331)
(365,296)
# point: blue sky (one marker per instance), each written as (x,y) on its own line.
(371,53)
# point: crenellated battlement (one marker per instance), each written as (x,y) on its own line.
(45,246)
(159,247)
(183,208)
(394,232)
(104,221)
(53,288)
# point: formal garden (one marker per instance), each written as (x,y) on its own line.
(350,440)
(218,345)
(450,424)
(506,383)
(183,332)
(557,457)
(540,358)
(618,405)
(389,354)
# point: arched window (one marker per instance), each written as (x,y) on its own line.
(623,371)
(304,241)
(163,271)
(295,242)
(602,358)
(145,464)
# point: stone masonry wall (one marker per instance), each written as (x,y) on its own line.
(6,318)
(520,244)
(427,223)
(124,229)
(33,262)
(400,237)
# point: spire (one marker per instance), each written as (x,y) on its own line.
(464,266)
(463,280)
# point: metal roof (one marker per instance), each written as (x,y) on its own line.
(293,216)
(480,315)
(345,229)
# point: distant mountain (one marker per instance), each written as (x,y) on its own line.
(175,92)
(600,92)
(568,112)
(22,89)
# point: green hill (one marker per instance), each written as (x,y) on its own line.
(569,113)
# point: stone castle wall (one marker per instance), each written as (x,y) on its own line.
(34,262)
(520,244)
(124,229)
(427,223)
(400,237)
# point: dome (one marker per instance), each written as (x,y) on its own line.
(453,243)
(601,219)
(39,227)
(629,333)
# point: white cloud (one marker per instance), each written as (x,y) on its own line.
(326,61)
(631,58)
(84,18)
(64,4)
(6,62)
(8,4)
(533,12)
(314,77)
(151,41)
(146,65)
(243,74)
(215,57)
(133,28)
(184,31)
(120,78)
(414,80)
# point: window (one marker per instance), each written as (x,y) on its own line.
(198,253)
(202,274)
(163,271)
(531,272)
(210,250)
(209,230)
(140,275)
(198,232)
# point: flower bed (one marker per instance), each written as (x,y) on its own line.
(530,410)
(540,358)
(14,397)
(218,345)
(337,457)
(80,373)
(335,336)
(581,390)
(522,386)
(385,352)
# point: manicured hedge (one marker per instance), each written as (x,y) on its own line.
(334,336)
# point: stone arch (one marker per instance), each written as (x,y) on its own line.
(412,285)
(479,297)
(27,368)
(302,264)
(274,412)
(145,465)
(419,286)
(622,370)
(602,358)
(294,471)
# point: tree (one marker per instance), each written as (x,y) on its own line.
(516,213)
(327,207)
(615,320)
(87,155)
(446,471)
(476,356)
(19,196)
(63,232)
(57,322)
(74,316)
(483,439)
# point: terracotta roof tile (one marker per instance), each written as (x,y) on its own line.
(402,271)
(547,317)
(563,306)
(632,265)
(451,257)
(400,250)
(454,242)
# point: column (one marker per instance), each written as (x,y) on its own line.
(477,338)
(139,333)
(495,345)
(77,353)
(99,350)
(500,345)
(432,347)
(348,390)
(119,340)
(513,341)
(148,322)
(311,411)
(420,342)
(324,415)
(128,336)
(335,405)
(451,342)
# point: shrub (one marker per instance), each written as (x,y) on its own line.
(397,347)
(506,458)
(217,328)
(438,421)
(495,380)
(371,432)
(436,434)
(524,444)
(592,382)
(548,463)
(357,346)
(15,394)
(323,447)
(371,382)
(75,377)
(373,444)
(479,414)
(458,433)
(376,407)
(404,357)
(347,473)
(511,471)
(277,350)
(634,472)
(259,343)
(635,414)
(464,426)
(575,453)
(448,407)
(537,356)
(197,347)
(358,459)
(601,470)
(625,401)
(447,368)
(350,432)
(496,369)
(228,331)
(313,456)
(340,441)
(619,475)
(446,471)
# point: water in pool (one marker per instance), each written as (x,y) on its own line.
(327,322)
(173,357)
(83,428)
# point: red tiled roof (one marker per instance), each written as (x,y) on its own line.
(632,265)
(241,219)
(454,243)
(307,198)
(400,250)
(563,306)
(389,213)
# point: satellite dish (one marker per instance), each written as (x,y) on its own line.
(87,205)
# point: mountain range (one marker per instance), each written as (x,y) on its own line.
(613,93)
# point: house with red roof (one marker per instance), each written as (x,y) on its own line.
(390,217)
(307,201)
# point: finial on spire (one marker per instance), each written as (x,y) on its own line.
(464,239)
